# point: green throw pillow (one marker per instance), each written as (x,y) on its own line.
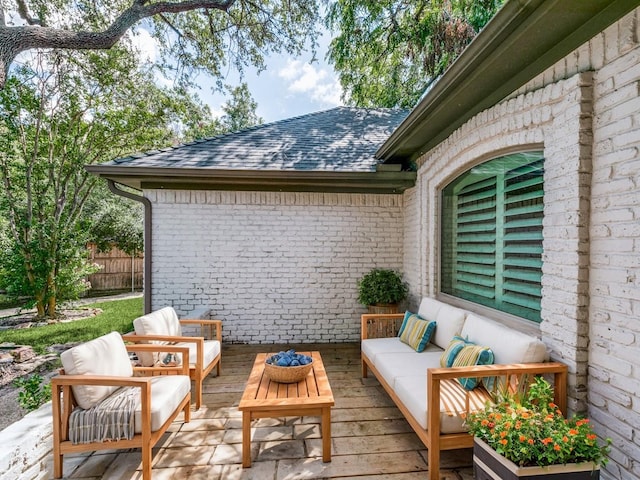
(468,356)
(416,332)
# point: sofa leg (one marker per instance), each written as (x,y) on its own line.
(365,373)
(433,459)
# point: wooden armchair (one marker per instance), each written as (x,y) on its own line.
(95,371)
(163,327)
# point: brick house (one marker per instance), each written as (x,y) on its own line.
(524,206)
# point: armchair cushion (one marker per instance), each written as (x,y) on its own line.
(211,350)
(104,355)
(167,391)
(160,322)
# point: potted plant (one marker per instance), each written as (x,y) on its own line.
(382,290)
(524,434)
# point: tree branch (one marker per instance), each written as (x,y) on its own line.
(14,40)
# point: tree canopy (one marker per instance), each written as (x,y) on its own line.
(193,35)
(387,51)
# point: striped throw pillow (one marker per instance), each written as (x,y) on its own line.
(456,344)
(416,332)
(471,355)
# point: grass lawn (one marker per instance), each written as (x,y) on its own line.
(116,315)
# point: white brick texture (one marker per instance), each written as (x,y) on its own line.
(275,267)
(584,113)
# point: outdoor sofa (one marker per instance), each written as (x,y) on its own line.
(432,397)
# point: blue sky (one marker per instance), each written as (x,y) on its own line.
(287,88)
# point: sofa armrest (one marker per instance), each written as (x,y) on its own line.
(380,325)
(211,324)
(182,369)
(145,339)
(519,373)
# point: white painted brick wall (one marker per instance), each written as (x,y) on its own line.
(276,267)
(585,113)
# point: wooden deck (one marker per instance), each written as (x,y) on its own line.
(370,438)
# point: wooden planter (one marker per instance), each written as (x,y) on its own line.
(383,308)
(489,465)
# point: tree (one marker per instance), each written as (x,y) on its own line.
(55,117)
(240,110)
(193,34)
(387,52)
(113,220)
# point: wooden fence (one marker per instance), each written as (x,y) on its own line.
(118,270)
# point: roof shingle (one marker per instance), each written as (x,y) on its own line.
(343,139)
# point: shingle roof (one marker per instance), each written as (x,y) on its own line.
(343,139)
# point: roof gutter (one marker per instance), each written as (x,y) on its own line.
(383,182)
(147,240)
(523,39)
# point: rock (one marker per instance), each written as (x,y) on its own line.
(22,354)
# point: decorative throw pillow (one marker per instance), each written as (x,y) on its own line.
(417,332)
(456,344)
(407,314)
(468,356)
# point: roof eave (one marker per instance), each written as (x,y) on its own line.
(523,39)
(256,180)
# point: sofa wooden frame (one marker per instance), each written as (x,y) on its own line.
(198,371)
(386,325)
(63,403)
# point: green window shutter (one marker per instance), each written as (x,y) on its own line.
(491,248)
(522,248)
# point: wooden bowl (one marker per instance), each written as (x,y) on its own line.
(287,374)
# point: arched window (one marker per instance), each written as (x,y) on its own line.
(491,245)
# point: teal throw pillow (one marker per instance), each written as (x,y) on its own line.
(416,332)
(407,314)
(468,356)
(456,344)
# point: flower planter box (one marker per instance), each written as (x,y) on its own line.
(489,465)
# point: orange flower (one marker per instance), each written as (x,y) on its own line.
(484,422)
(556,447)
(547,440)
(591,436)
(503,434)
(522,438)
(504,441)
(530,441)
(573,431)
(565,439)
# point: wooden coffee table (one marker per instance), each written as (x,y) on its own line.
(263,398)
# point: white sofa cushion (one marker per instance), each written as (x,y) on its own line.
(508,345)
(449,322)
(394,365)
(371,347)
(211,350)
(105,355)
(160,322)
(167,391)
(412,392)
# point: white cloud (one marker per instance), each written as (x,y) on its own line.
(146,44)
(319,84)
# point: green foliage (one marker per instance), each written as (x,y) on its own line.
(381,286)
(117,315)
(58,115)
(387,52)
(191,42)
(33,392)
(113,220)
(528,429)
(240,110)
